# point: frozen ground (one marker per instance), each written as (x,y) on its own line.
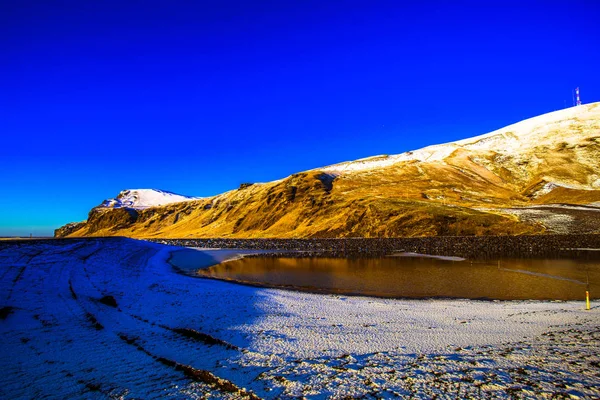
(109,318)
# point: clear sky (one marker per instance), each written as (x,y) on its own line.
(197,97)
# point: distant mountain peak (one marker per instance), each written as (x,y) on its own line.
(140,199)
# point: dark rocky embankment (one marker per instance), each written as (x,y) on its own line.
(563,246)
(474,247)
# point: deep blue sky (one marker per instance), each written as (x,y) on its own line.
(196,97)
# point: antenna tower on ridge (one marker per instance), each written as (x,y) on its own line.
(578,100)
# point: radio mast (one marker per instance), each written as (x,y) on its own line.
(578,100)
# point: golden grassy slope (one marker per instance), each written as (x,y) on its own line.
(307,205)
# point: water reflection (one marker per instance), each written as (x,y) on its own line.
(419,277)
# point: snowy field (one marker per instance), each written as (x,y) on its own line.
(109,318)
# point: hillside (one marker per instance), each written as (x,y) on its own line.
(536,176)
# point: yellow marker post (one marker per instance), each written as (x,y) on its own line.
(587,300)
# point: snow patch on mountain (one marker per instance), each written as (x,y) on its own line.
(140,199)
(563,126)
(550,186)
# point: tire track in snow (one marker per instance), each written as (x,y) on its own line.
(194,374)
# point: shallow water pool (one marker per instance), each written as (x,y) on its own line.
(413,276)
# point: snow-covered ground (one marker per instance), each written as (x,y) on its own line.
(110,318)
(558,218)
(140,199)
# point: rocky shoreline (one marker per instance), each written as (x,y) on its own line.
(480,247)
(474,247)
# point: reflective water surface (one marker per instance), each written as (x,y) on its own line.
(419,277)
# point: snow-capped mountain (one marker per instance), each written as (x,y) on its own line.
(140,199)
(517,139)
(521,179)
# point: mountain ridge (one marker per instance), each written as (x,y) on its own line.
(472,186)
